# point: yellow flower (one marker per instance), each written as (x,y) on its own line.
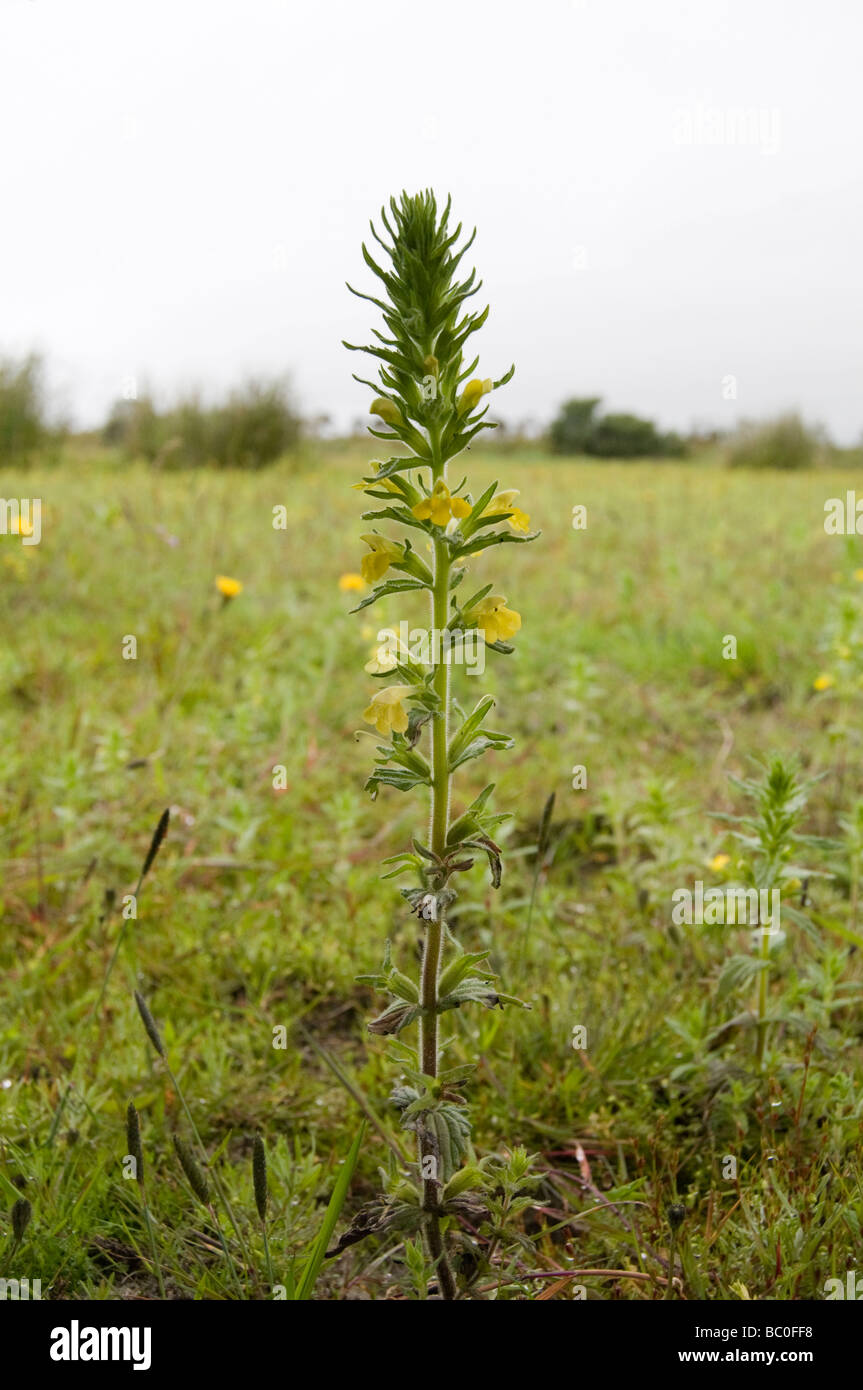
(441,505)
(858,575)
(383,552)
(386,410)
(383,657)
(18,526)
(386,710)
(473,394)
(823,682)
(386,483)
(228,588)
(352,583)
(718,862)
(505,502)
(496,620)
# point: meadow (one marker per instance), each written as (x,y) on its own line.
(265,900)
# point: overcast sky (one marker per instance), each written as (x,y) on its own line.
(668,194)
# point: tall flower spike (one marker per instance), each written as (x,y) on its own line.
(431,404)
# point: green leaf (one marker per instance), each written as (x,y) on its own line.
(738,972)
(390,586)
(485,740)
(473,547)
(306,1286)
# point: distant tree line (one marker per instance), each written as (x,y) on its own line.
(259,422)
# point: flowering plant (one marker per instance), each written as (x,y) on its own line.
(431,405)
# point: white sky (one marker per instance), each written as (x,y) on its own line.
(185,184)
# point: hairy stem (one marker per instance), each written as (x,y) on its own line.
(435,929)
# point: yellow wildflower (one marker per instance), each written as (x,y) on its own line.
(384,656)
(352,583)
(496,620)
(440,506)
(228,588)
(858,575)
(718,862)
(504,502)
(386,710)
(473,394)
(386,410)
(19,526)
(823,682)
(383,552)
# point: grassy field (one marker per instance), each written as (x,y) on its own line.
(264,903)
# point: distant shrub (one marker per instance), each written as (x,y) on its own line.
(256,425)
(629,437)
(786,442)
(135,427)
(578,430)
(24,429)
(573,426)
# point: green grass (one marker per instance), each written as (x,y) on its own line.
(264,904)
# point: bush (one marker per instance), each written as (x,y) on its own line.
(578,430)
(256,425)
(135,427)
(629,437)
(786,442)
(572,428)
(23,426)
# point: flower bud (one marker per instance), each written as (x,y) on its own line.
(386,410)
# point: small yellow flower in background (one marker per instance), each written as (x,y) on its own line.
(719,861)
(386,710)
(352,583)
(505,502)
(473,393)
(496,620)
(383,656)
(441,506)
(823,682)
(382,554)
(18,526)
(228,588)
(858,575)
(386,410)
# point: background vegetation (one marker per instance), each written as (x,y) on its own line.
(265,901)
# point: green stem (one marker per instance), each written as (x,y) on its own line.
(762,998)
(435,929)
(267,1256)
(156,1261)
